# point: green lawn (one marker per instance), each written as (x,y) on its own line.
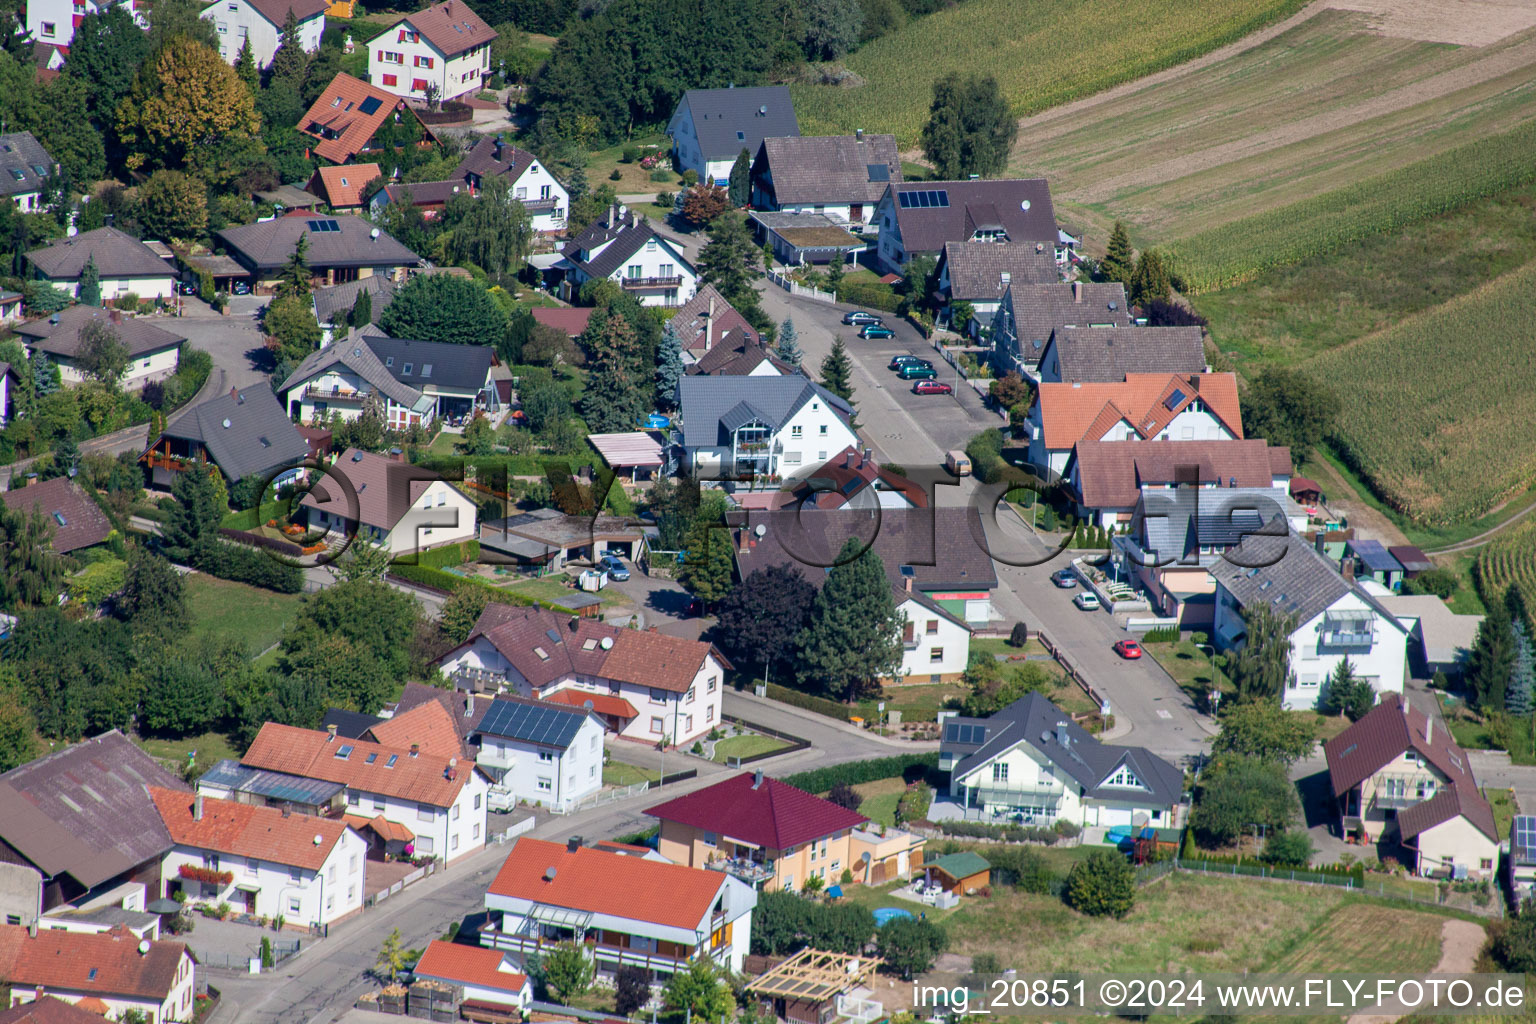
(551,589)
(443,443)
(880,799)
(917,703)
(255,616)
(1191,669)
(617,773)
(211,748)
(632,177)
(1503,803)
(745,746)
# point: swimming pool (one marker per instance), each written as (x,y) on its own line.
(885,915)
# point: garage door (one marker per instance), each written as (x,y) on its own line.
(1111,816)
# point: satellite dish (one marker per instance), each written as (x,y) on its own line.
(226,424)
(453,762)
(143,947)
(587,704)
(374,233)
(607,643)
(1024,205)
(319,839)
(760,529)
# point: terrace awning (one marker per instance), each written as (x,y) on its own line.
(560,917)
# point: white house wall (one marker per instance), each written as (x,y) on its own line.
(537,183)
(301,896)
(397,64)
(822,434)
(944,651)
(543,775)
(236,21)
(176,1006)
(440,516)
(449,832)
(156,365)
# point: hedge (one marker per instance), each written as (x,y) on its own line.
(450,555)
(820,705)
(251,518)
(1004,833)
(1161,635)
(261,540)
(820,780)
(248,565)
(448,582)
(863,293)
(487,466)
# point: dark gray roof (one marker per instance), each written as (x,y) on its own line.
(24,164)
(349,724)
(1175,525)
(427,193)
(727,121)
(1032,312)
(352,353)
(1104,355)
(533,721)
(982,271)
(709,406)
(829,168)
(625,235)
(268,245)
(941,548)
(85,810)
(275,786)
(440,363)
(1278,567)
(1041,724)
(485,158)
(340,298)
(115,253)
(245,432)
(1374,556)
(59,334)
(1021,207)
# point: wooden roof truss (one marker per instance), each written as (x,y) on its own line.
(814,975)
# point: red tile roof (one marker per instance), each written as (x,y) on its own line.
(451,27)
(108,963)
(602,703)
(608,883)
(469,965)
(381,827)
(337,119)
(245,830)
(1451,802)
(426,778)
(570,319)
(1070,413)
(427,724)
(1387,732)
(772,814)
(342,187)
(53,1010)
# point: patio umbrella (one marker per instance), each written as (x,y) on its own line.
(163,905)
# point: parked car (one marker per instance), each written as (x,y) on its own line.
(877,331)
(1064,578)
(914,372)
(1130,650)
(240,288)
(932,387)
(897,362)
(614,567)
(1088,601)
(859,316)
(187,288)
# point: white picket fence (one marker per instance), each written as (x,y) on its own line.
(804,291)
(605,796)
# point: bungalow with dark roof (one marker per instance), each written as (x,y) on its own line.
(338,249)
(919,218)
(243,434)
(153,352)
(125,265)
(776,837)
(797,239)
(75,520)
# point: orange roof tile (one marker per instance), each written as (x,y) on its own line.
(92,1004)
(107,962)
(342,186)
(371,767)
(469,965)
(350,119)
(655,659)
(53,1010)
(608,883)
(602,703)
(451,27)
(427,724)
(246,830)
(1070,413)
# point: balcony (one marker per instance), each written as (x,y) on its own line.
(1396,792)
(1003,794)
(540,205)
(649,283)
(337,394)
(1348,631)
(753,872)
(604,952)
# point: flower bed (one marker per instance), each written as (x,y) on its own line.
(208,876)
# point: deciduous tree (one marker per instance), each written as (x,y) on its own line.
(704,203)
(441,307)
(1237,793)
(30,572)
(760,620)
(832,27)
(566,970)
(1264,729)
(854,635)
(173,205)
(184,98)
(491,230)
(106,53)
(1262,668)
(909,946)
(103,355)
(970,128)
(1289,407)
(699,990)
(291,320)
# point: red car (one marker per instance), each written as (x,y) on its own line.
(932,387)
(1128,649)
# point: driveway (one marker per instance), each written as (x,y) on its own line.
(662,603)
(235,345)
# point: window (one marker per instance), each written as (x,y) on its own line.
(823,430)
(795,431)
(1486,863)
(709,714)
(352,864)
(477,801)
(544,194)
(837,866)
(418,85)
(391,80)
(377,802)
(406,370)
(425,844)
(48,29)
(655,725)
(453,844)
(13,919)
(688,724)
(293,905)
(454,814)
(424,62)
(658,696)
(476,832)
(252,866)
(211,861)
(689,698)
(295,874)
(544,786)
(632,271)
(741,136)
(425,812)
(712,682)
(351,892)
(545,756)
(935,655)
(1000,771)
(933,626)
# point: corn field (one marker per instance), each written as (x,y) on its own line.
(1042,52)
(1508,559)
(1436,411)
(1238,252)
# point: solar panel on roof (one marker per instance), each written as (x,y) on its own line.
(1174,400)
(879,172)
(322,227)
(370,104)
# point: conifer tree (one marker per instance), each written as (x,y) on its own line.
(1518,698)
(837,371)
(1119,258)
(788,348)
(669,367)
(854,638)
(90,284)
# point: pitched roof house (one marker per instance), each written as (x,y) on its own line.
(1030,758)
(81,817)
(980,273)
(673,687)
(1142,407)
(244,433)
(106,967)
(339,248)
(711,127)
(342,186)
(389,503)
(49,1010)
(621,246)
(546,200)
(490,980)
(1108,477)
(25,167)
(440,52)
(334,304)
(349,113)
(546,753)
(677,913)
(1333,618)
(1103,355)
(707,320)
(346,378)
(125,264)
(853,479)
(1397,766)
(1028,314)
(153,352)
(774,427)
(76,521)
(918,218)
(842,176)
(260,23)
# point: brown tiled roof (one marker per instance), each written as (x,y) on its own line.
(1071,413)
(76,520)
(977,269)
(276,11)
(691,318)
(428,725)
(835,482)
(831,168)
(63,338)
(425,778)
(481,160)
(245,830)
(1106,354)
(353,242)
(738,360)
(451,27)
(1386,733)
(1450,802)
(53,1010)
(107,962)
(343,119)
(1020,206)
(1110,473)
(342,186)
(383,490)
(570,319)
(115,253)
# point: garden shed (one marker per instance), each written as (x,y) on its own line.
(959,873)
(814,987)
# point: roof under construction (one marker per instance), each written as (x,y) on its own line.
(814,975)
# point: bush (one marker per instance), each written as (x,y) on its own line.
(1161,635)
(845,796)
(248,565)
(445,581)
(864,293)
(99,581)
(914,804)
(630,154)
(1067,829)
(820,705)
(632,989)
(662,175)
(1440,582)
(1292,849)
(1003,833)
(911,767)
(450,555)
(615,175)
(1103,885)
(690,178)
(1024,868)
(1018,636)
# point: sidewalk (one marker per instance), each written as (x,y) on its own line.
(774,707)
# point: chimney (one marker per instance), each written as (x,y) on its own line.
(31,479)
(330,733)
(744,545)
(573,844)
(469,705)
(234,392)
(1347,569)
(906,582)
(1077,291)
(867,456)
(197,807)
(396,455)
(496,149)
(709,325)
(1429,728)
(115,315)
(849,461)
(32,929)
(415,749)
(757,778)
(858,134)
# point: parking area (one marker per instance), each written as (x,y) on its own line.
(661,602)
